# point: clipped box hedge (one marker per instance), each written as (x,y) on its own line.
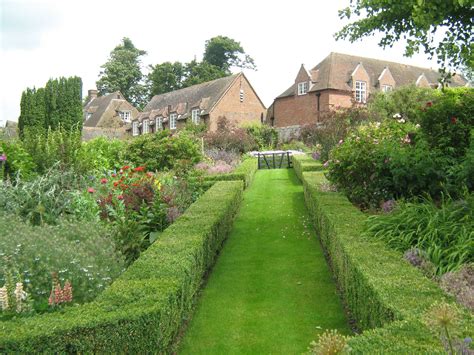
(303,162)
(386,295)
(245,172)
(143,310)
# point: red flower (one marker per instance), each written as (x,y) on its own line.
(125,167)
(90,190)
(454,120)
(120,197)
(114,175)
(116,183)
(429,104)
(140,168)
(103,181)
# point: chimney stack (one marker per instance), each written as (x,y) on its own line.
(92,94)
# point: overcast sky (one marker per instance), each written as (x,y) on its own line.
(42,39)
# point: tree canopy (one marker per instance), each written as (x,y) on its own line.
(224,53)
(220,54)
(421,22)
(122,72)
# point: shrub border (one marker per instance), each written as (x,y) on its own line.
(303,162)
(245,172)
(386,296)
(143,310)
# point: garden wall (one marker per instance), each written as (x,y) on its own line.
(381,290)
(143,310)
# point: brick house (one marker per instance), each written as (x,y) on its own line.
(108,111)
(339,81)
(232,97)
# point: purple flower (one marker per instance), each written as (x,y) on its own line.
(388,206)
(3,157)
(316,155)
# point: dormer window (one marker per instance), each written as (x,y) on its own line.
(195,116)
(302,88)
(125,116)
(361,91)
(135,128)
(387,88)
(173,119)
(158,123)
(145,127)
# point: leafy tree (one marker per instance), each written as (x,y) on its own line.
(122,72)
(200,72)
(224,53)
(165,77)
(417,21)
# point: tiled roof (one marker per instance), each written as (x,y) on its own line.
(334,72)
(97,108)
(203,96)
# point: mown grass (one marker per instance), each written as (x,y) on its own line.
(271,290)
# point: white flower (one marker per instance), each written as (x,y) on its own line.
(401,120)
(377,124)
(20,296)
(397,115)
(4,299)
(417,125)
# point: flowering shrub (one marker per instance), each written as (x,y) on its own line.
(461,285)
(446,122)
(229,137)
(83,253)
(334,127)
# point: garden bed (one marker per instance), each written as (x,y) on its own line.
(145,307)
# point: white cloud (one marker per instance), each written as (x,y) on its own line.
(78,37)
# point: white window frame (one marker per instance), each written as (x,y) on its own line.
(173,119)
(387,88)
(158,124)
(88,115)
(361,91)
(303,88)
(145,126)
(195,117)
(126,116)
(135,131)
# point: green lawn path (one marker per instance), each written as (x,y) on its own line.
(270,291)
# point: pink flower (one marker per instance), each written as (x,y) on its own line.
(341,141)
(67,292)
(103,181)
(3,157)
(114,175)
(90,190)
(326,164)
(120,197)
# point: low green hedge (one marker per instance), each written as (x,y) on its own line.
(245,172)
(378,286)
(143,310)
(304,162)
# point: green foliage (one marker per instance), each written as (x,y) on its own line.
(165,77)
(156,293)
(224,52)
(265,136)
(101,154)
(122,72)
(19,163)
(83,253)
(379,288)
(59,104)
(201,72)
(416,21)
(446,123)
(44,199)
(303,162)
(163,150)
(445,233)
(406,101)
(59,147)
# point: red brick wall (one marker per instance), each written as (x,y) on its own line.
(235,111)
